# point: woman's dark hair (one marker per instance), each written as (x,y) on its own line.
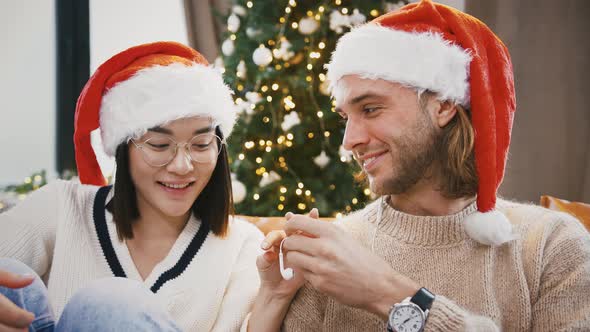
(213,206)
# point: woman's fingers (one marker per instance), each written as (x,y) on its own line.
(11,280)
(13,316)
(273,239)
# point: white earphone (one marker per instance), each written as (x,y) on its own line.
(286,273)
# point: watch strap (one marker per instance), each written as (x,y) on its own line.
(423,298)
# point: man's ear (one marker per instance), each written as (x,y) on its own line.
(442,112)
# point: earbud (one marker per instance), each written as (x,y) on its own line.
(286,273)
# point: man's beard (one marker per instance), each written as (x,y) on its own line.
(416,153)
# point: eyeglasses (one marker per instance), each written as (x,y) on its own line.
(159,150)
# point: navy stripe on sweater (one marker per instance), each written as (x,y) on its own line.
(109,252)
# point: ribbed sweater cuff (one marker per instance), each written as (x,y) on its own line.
(445,315)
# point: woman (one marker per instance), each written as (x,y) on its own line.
(158,250)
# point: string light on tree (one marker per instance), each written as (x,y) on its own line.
(285,135)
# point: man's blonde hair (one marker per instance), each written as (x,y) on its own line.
(456,157)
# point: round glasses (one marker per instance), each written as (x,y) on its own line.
(160,150)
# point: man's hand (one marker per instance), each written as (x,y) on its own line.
(13,318)
(338,266)
(268,265)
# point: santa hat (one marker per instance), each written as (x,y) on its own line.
(142,87)
(438,48)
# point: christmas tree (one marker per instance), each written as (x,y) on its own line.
(286,149)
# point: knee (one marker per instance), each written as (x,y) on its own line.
(114,293)
(33,297)
(118,301)
(15,266)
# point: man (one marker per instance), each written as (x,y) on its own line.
(428,97)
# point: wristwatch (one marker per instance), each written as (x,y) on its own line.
(410,314)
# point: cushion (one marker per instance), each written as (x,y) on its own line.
(267,224)
(577,209)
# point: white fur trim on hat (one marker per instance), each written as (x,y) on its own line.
(422,60)
(157,95)
(489,228)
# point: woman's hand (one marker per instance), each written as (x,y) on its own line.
(276,293)
(13,318)
(268,264)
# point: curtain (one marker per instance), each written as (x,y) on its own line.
(550,49)
(203,26)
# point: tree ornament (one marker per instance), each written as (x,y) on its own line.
(357,18)
(238,189)
(322,160)
(233,23)
(345,155)
(262,56)
(338,21)
(239,10)
(251,32)
(228,47)
(241,70)
(308,25)
(284,51)
(290,120)
(269,178)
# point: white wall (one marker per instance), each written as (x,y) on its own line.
(117,25)
(28,69)
(27,89)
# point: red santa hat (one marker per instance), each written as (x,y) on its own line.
(434,47)
(143,87)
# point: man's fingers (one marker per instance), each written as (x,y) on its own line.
(11,280)
(314,213)
(273,238)
(300,261)
(299,224)
(13,316)
(304,244)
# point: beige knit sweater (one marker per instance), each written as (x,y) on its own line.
(539,282)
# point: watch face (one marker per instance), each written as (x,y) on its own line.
(407,318)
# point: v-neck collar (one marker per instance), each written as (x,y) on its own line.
(185,248)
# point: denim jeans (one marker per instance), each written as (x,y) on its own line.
(109,304)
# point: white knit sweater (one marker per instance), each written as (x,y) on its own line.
(64,233)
